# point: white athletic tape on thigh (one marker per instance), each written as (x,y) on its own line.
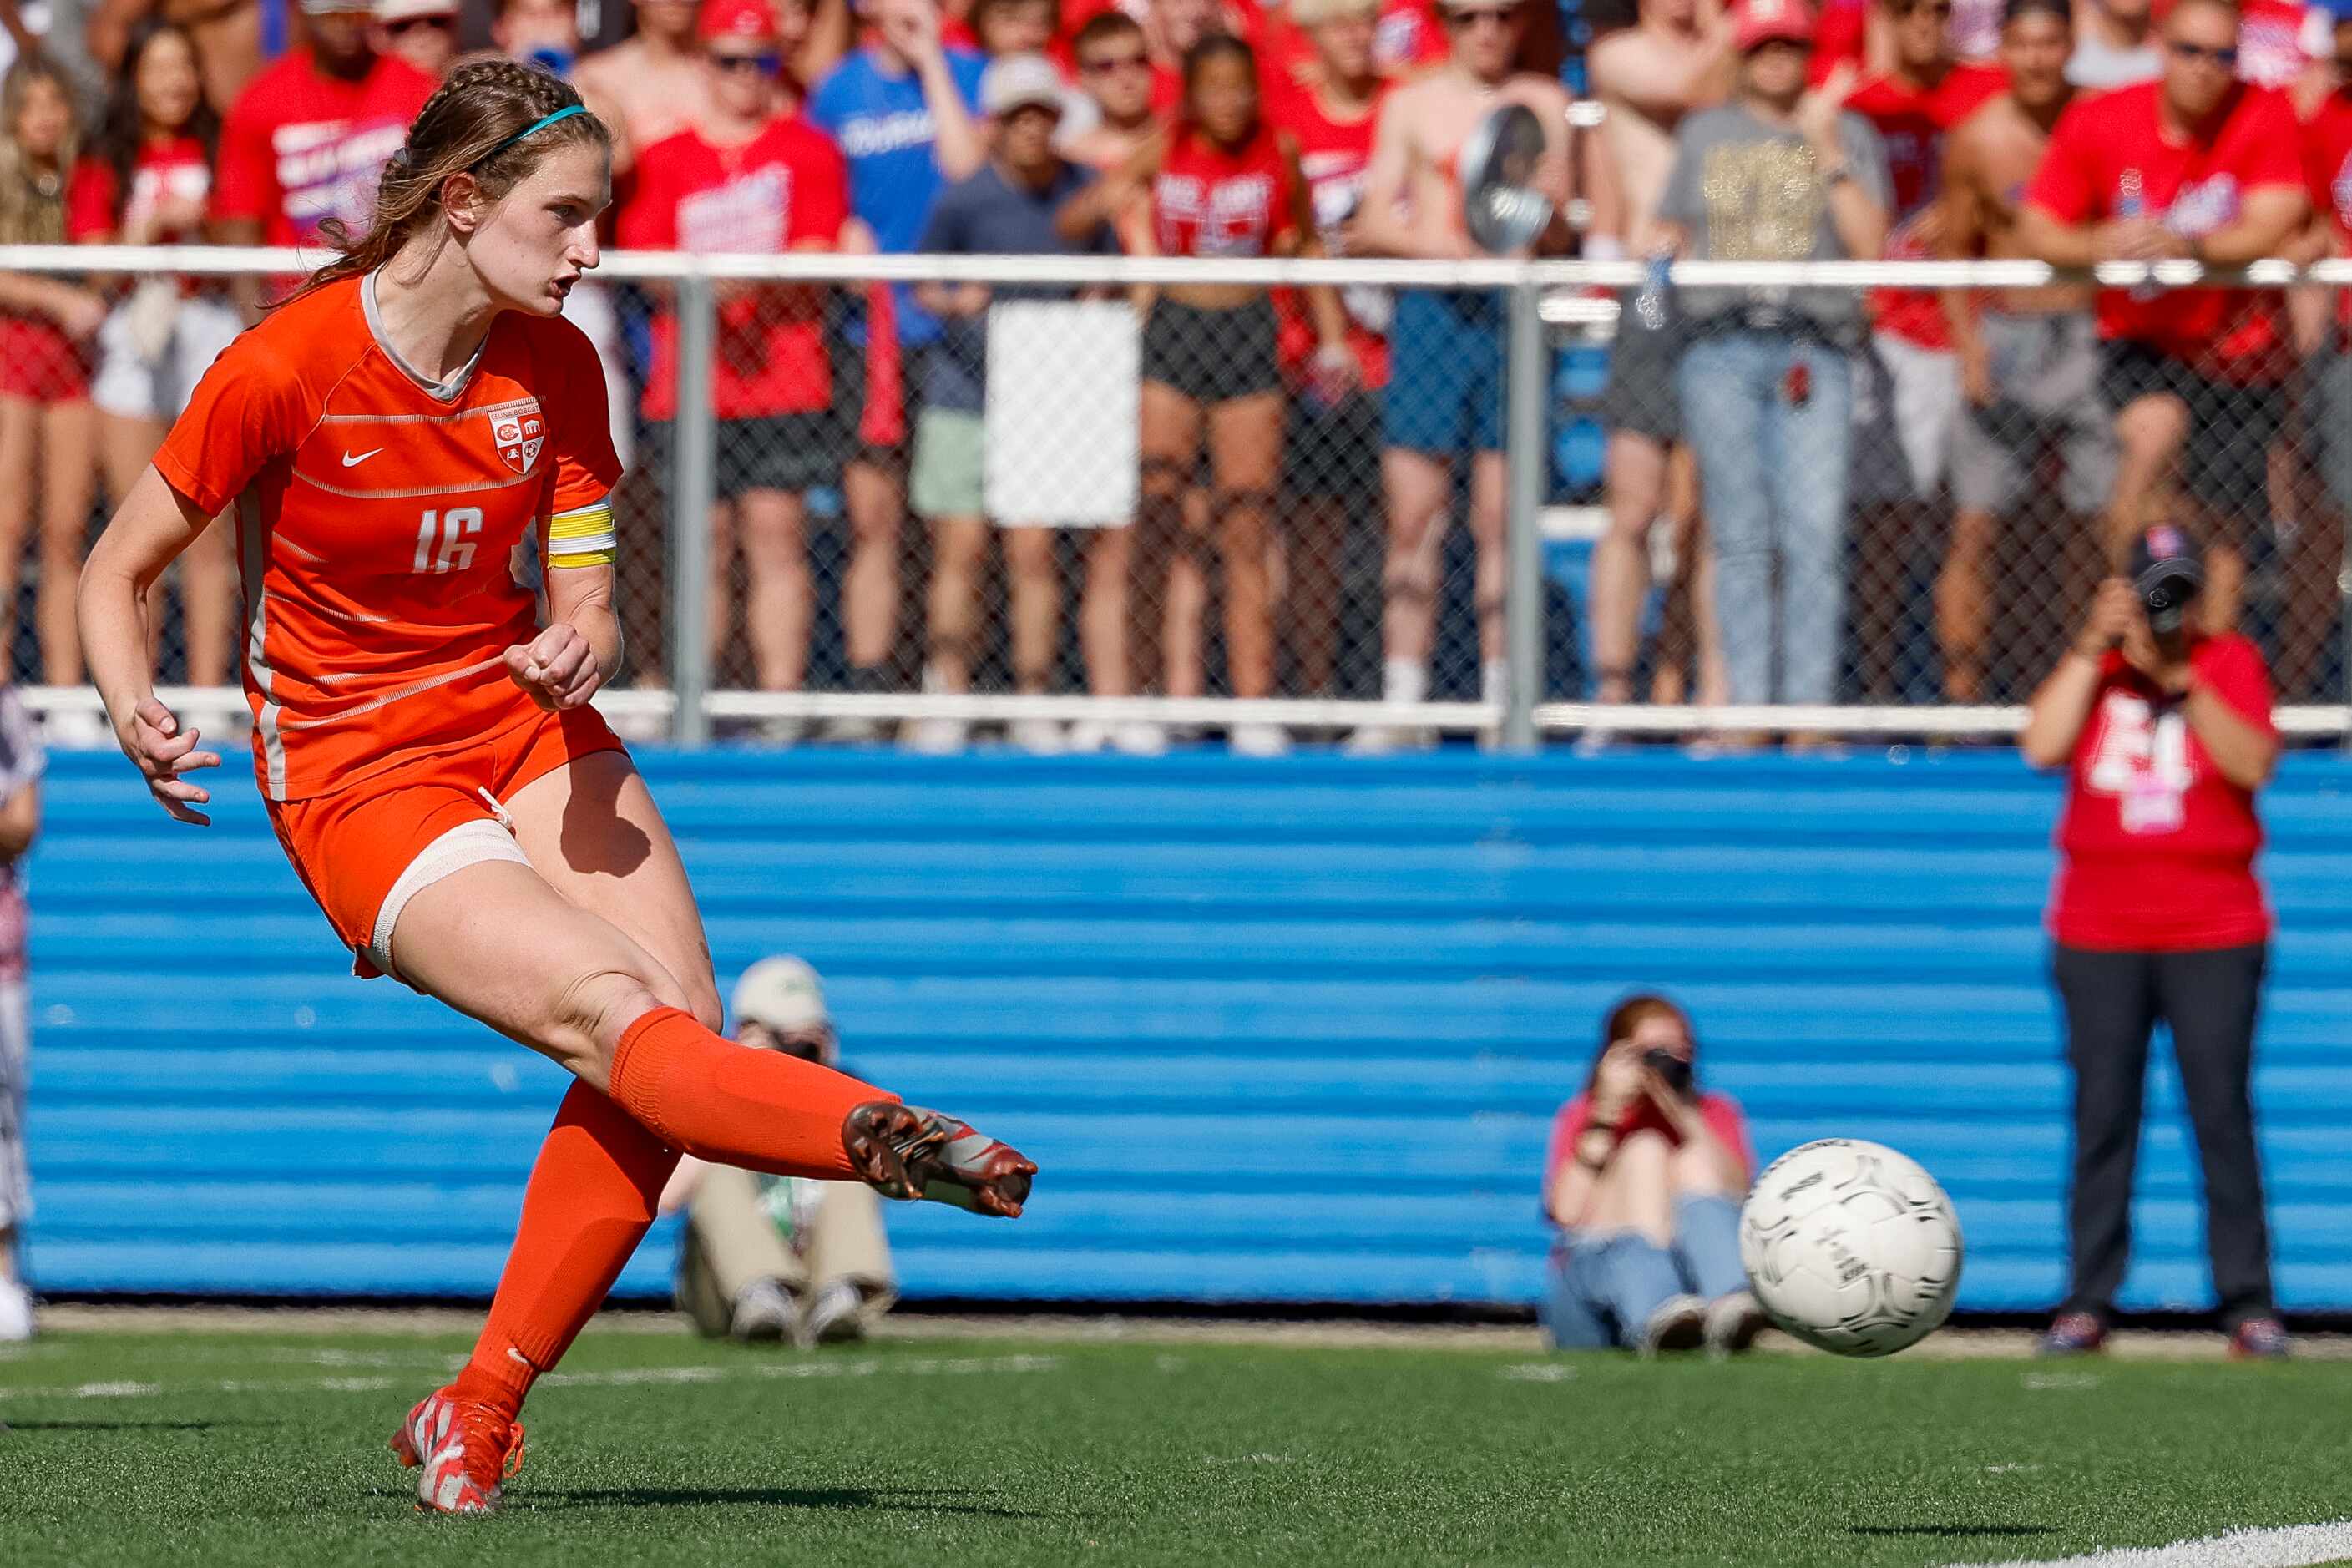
(468,844)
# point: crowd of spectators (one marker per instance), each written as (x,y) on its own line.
(1804,447)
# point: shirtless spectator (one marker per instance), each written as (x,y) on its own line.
(2199,165)
(2114,45)
(1115,71)
(2029,358)
(1677,58)
(1445,391)
(1908,396)
(655,81)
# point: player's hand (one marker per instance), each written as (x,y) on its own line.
(163,752)
(2113,611)
(557,668)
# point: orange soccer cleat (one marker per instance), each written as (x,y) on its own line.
(467,1451)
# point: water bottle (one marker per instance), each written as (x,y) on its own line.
(2131,202)
(1653,304)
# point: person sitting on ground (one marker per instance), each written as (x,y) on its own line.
(777,1258)
(1644,1178)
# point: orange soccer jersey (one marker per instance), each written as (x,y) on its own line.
(380,526)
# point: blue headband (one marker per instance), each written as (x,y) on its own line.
(542,124)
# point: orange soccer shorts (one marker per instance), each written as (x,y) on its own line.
(353,847)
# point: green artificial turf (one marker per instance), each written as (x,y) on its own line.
(268,1447)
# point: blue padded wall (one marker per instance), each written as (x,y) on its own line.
(1276,1030)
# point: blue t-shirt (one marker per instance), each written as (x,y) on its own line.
(883,127)
(987,215)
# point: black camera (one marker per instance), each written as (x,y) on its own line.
(1672,1070)
(2167,599)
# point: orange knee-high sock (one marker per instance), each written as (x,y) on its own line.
(734,1106)
(592,1193)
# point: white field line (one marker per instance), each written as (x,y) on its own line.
(870,1366)
(2288,1546)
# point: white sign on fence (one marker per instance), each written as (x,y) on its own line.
(1064,380)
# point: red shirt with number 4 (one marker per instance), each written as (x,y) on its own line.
(2110,155)
(2157,848)
(785,189)
(1912,121)
(381,524)
(2327,157)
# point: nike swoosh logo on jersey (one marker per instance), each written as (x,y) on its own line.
(353,460)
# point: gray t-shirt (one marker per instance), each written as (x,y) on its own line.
(2098,64)
(986,216)
(1747,191)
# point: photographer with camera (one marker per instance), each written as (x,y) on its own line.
(1644,1178)
(2166,734)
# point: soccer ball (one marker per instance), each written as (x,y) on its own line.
(1851,1247)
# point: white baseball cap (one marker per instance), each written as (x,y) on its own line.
(390,11)
(783,992)
(1016,82)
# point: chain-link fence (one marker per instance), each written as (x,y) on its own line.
(1108,503)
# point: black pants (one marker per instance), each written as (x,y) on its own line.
(2112,1003)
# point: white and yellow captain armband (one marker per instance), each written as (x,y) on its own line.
(583,536)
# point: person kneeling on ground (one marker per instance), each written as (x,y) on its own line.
(776,1258)
(1644,1179)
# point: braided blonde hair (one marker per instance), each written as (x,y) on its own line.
(468,127)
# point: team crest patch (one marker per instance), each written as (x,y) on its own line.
(518,430)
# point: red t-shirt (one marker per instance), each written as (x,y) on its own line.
(2109,154)
(2157,848)
(176,168)
(1912,121)
(1332,157)
(1407,39)
(1208,201)
(1719,1111)
(780,191)
(301,146)
(2327,159)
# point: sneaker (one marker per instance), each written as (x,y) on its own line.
(782,731)
(2073,1333)
(76,730)
(1678,1324)
(464,1454)
(1387,740)
(1139,738)
(1039,737)
(15,1313)
(850,732)
(905,1151)
(1258,740)
(2259,1339)
(1086,736)
(763,1314)
(1733,1322)
(834,1316)
(938,737)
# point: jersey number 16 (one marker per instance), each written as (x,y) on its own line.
(441,543)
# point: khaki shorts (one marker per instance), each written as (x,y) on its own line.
(951,445)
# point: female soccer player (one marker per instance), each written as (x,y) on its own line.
(425,744)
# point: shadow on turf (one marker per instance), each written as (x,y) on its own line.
(1950,1529)
(896,1500)
(124,1425)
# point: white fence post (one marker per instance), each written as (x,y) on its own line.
(1528,456)
(692,471)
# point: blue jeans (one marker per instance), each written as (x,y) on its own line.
(1604,1286)
(1773,471)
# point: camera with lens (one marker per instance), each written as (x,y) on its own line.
(1672,1070)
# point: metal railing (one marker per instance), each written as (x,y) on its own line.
(1541,300)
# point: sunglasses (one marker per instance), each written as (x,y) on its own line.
(2226,58)
(764,65)
(408,24)
(1103,65)
(1466,18)
(1939,9)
